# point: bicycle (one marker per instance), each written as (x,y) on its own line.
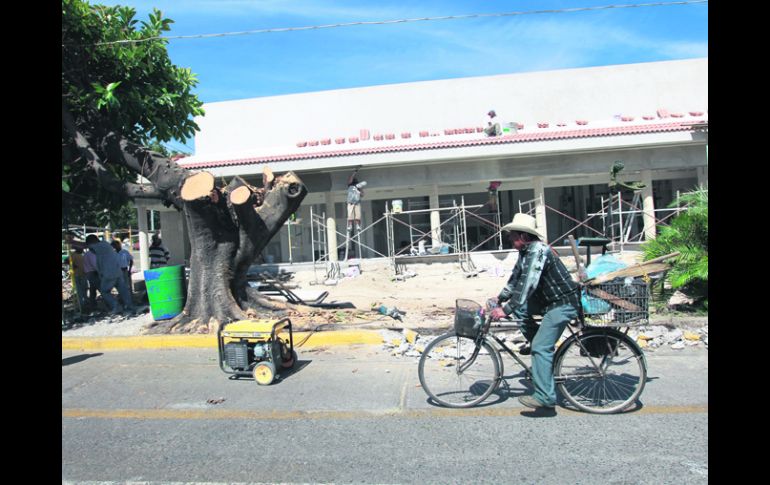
(598,369)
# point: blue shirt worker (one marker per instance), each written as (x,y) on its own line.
(110,274)
(539,285)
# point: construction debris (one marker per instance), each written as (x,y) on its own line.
(409,343)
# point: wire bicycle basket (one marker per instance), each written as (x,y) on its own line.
(468,318)
(620,301)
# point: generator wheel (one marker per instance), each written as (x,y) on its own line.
(264,373)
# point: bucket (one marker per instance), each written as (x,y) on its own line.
(166,291)
(398,206)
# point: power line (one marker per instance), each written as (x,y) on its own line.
(385,22)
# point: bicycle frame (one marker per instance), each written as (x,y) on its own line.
(485,332)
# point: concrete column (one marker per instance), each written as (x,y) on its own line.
(172,232)
(703,176)
(435,218)
(331,228)
(539,186)
(144,243)
(648,206)
(367,218)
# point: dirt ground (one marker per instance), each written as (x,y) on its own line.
(426,300)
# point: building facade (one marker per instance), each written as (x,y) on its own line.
(422,145)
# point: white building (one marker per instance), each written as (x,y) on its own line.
(422,143)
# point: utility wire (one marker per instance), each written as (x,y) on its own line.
(399,21)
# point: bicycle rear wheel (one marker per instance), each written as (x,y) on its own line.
(600,371)
(455,375)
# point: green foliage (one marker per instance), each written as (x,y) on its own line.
(131,88)
(688,234)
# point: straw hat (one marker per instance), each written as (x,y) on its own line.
(523,223)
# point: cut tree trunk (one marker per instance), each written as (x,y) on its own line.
(228,229)
(228,226)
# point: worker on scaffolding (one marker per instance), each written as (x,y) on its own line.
(492,192)
(355,193)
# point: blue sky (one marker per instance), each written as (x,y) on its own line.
(277,63)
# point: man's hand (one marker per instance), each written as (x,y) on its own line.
(497,313)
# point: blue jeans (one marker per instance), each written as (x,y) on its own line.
(119,282)
(543,339)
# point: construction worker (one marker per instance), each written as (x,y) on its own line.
(493,124)
(355,193)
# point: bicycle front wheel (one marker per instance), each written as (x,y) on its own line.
(457,374)
(601,371)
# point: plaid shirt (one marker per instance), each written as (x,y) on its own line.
(539,274)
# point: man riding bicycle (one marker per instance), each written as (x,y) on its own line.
(539,285)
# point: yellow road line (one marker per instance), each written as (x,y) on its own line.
(318,339)
(192,414)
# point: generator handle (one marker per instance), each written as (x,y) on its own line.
(222,351)
(280,325)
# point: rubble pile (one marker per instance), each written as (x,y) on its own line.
(651,337)
(408,343)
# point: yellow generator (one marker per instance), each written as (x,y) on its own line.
(256,348)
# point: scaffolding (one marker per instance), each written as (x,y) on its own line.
(451,233)
(320,243)
(618,218)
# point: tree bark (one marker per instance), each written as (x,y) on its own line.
(225,238)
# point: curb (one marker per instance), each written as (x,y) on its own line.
(147,342)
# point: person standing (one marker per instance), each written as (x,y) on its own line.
(355,193)
(126,263)
(110,274)
(92,275)
(159,255)
(539,285)
(76,249)
(81,281)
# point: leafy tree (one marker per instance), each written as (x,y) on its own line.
(120,95)
(112,85)
(688,234)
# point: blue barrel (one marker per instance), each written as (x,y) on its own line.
(166,291)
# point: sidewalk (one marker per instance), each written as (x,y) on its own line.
(323,338)
(316,340)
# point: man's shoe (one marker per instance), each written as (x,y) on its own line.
(525,349)
(532,402)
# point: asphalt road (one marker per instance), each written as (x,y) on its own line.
(358,415)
